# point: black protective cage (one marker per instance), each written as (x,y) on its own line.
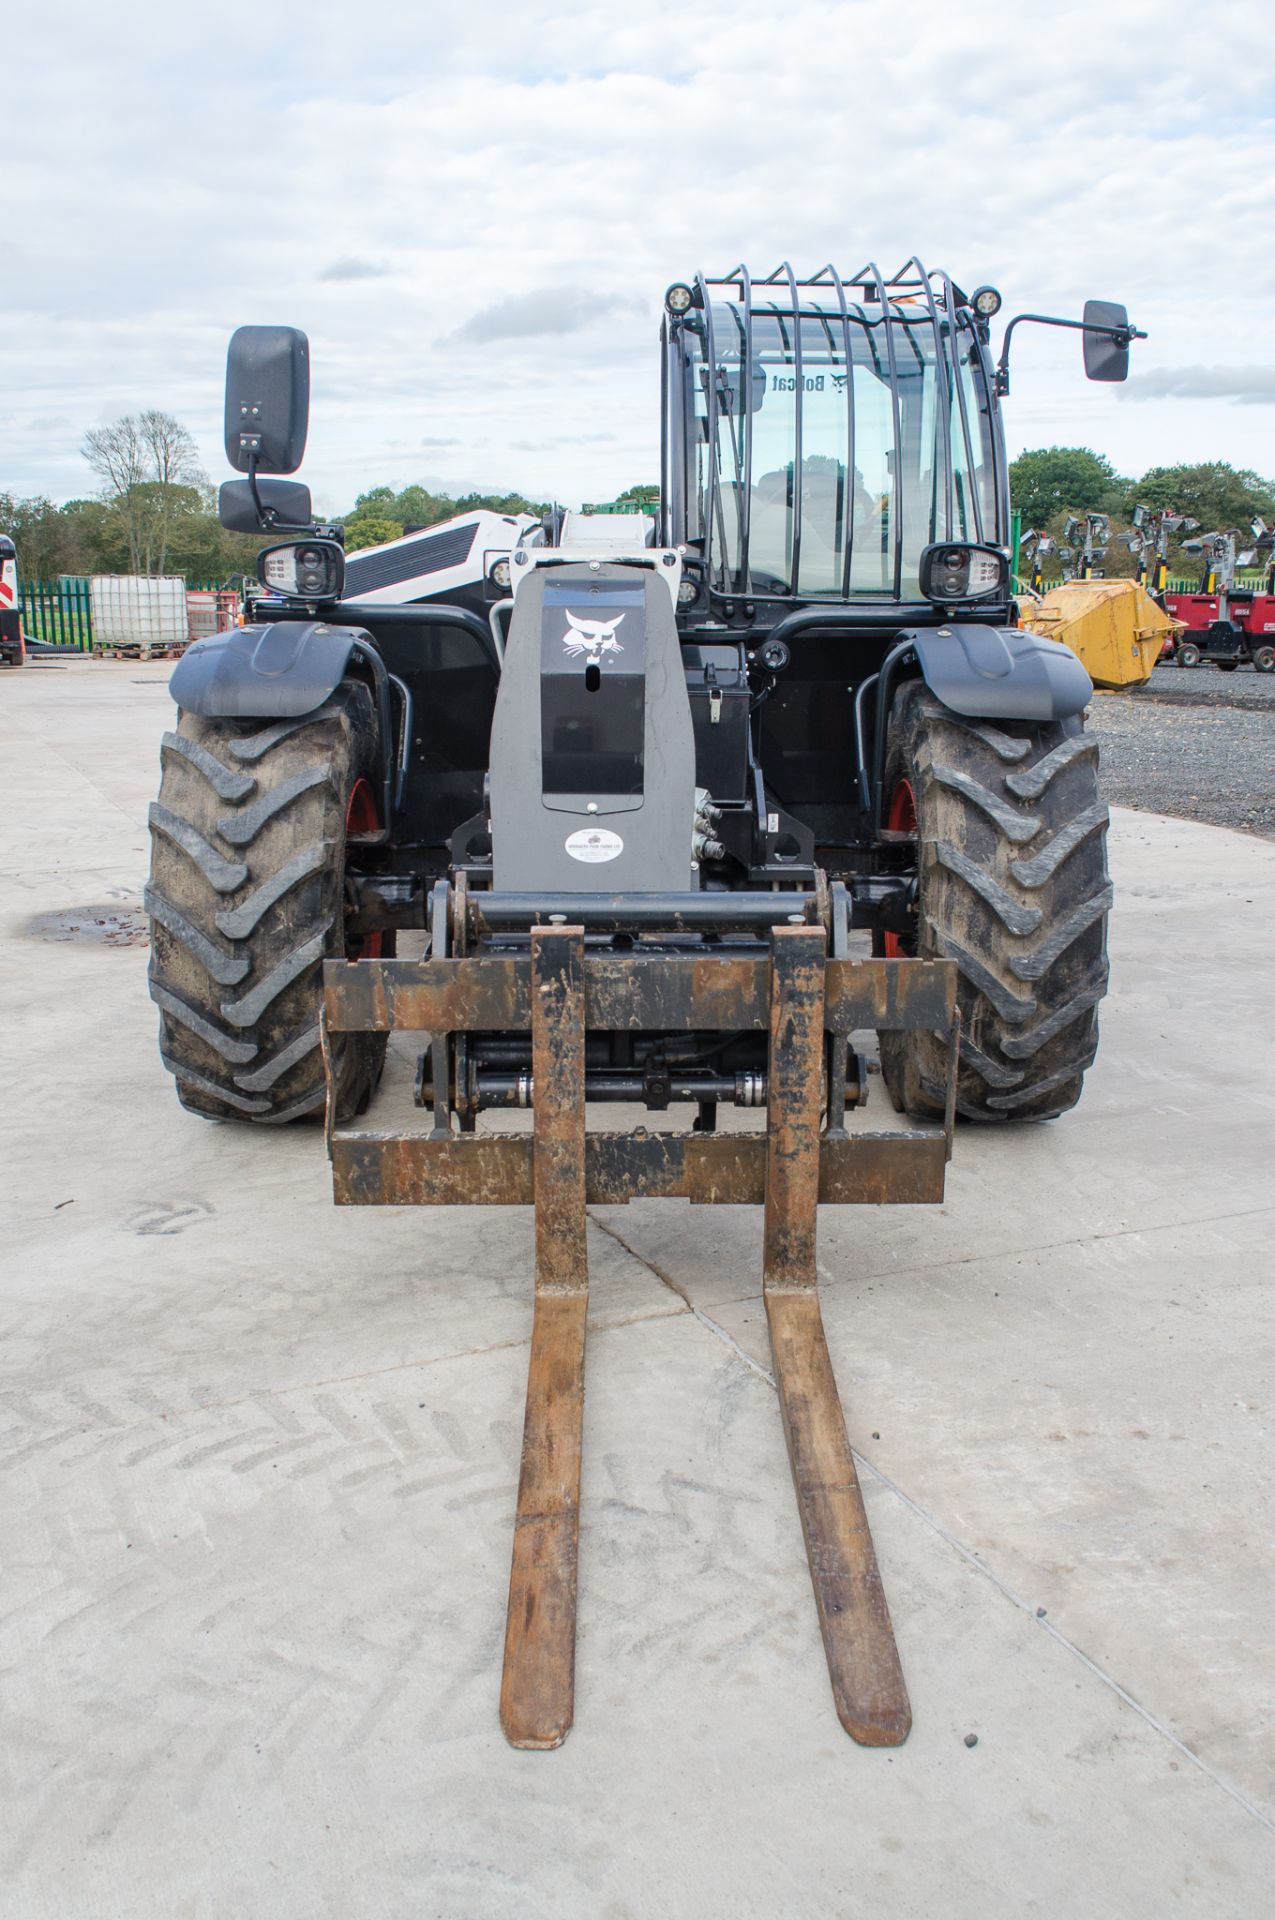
(889,311)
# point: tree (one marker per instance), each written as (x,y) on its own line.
(498,503)
(46,539)
(416,507)
(1051,480)
(375,500)
(370,530)
(146,462)
(1215,493)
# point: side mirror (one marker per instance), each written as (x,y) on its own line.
(306,570)
(1107,358)
(285,505)
(267,399)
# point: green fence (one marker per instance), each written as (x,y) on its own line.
(58,611)
(1245,582)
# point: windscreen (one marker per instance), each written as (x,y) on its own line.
(851,447)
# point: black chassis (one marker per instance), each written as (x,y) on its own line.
(793,758)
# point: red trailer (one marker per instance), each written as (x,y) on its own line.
(1230,625)
(1230,629)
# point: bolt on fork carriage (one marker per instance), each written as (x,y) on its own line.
(556,989)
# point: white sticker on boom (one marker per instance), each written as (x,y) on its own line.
(592,844)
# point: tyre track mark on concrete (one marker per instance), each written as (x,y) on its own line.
(145,1407)
(979,1566)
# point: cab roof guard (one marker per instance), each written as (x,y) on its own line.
(939,302)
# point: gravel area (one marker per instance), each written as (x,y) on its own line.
(1197,743)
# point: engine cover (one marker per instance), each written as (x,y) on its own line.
(592,746)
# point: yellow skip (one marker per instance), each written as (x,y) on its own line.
(1113,626)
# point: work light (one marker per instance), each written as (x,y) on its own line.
(305,570)
(955,571)
(986,302)
(679,298)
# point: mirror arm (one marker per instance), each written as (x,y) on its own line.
(1118,336)
(267,519)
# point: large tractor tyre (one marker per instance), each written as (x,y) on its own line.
(247,900)
(1012,864)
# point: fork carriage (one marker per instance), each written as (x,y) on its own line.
(793,986)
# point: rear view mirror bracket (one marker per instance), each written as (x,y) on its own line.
(1107,338)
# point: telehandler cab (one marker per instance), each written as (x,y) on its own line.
(639,785)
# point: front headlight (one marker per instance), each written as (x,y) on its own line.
(954,571)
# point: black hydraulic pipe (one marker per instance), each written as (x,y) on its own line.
(885,689)
(914,613)
(517,1090)
(434,613)
(863,771)
(391,783)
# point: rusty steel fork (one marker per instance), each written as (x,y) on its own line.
(537,1693)
(863,1660)
(538,1687)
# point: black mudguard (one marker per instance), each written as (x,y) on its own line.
(1000,673)
(274,672)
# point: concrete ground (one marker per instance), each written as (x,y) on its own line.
(260,1457)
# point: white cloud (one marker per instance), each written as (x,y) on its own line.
(526,315)
(1245,386)
(350,268)
(413,189)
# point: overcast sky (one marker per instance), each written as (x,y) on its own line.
(473,211)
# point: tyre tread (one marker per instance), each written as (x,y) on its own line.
(1014,888)
(224,781)
(246,899)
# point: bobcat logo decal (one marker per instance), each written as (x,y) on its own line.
(591,638)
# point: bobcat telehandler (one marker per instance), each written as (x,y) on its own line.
(639,786)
